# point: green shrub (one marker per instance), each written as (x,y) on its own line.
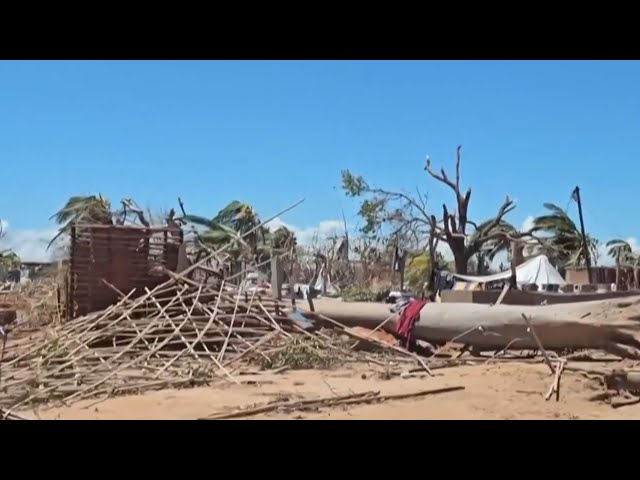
(417,273)
(358,293)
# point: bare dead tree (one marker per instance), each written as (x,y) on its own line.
(454,225)
(406,217)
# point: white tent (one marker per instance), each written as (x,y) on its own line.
(538,270)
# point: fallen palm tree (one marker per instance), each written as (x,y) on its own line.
(493,327)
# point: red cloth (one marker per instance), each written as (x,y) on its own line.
(407,319)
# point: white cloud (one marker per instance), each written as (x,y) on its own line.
(307,235)
(30,245)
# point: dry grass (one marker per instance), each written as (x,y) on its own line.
(300,353)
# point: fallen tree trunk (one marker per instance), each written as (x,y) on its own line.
(492,327)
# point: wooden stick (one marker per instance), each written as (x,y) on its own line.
(503,294)
(4,344)
(274,334)
(537,340)
(235,311)
(364,397)
(555,386)
(7,415)
(559,368)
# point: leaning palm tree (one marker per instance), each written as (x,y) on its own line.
(564,241)
(236,225)
(621,252)
(492,248)
(242,218)
(90,209)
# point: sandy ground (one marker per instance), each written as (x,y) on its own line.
(503,390)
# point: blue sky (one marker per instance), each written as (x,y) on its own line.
(269,133)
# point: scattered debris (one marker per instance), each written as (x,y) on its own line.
(179,334)
(187,332)
(365,334)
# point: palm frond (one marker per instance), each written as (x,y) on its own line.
(620,250)
(617,242)
(240,216)
(89,209)
(557,219)
(554,208)
(230,212)
(91,205)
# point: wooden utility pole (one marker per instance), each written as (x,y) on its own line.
(585,245)
(277,277)
(399,258)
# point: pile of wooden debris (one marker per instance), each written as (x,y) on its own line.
(180,334)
